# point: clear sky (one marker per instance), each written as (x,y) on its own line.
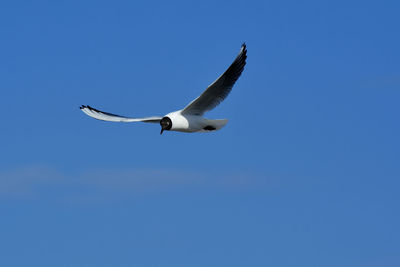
(306,173)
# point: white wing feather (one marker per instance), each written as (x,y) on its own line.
(218,90)
(105,116)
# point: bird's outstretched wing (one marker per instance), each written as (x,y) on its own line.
(218,90)
(105,116)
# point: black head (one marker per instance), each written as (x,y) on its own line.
(166,124)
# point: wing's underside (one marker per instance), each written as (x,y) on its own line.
(105,116)
(220,88)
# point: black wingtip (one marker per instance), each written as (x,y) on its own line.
(243,50)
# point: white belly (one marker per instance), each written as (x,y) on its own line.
(190,124)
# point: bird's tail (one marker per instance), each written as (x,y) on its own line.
(214,125)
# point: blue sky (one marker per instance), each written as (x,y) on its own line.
(306,173)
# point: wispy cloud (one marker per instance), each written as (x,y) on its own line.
(24,181)
(31,181)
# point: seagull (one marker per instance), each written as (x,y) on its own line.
(190,119)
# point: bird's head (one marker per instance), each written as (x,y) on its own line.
(166,124)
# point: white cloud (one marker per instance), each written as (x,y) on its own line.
(23,181)
(31,181)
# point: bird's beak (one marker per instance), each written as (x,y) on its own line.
(162,130)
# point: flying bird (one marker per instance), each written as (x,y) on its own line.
(190,119)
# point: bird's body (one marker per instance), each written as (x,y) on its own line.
(190,119)
(193,123)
